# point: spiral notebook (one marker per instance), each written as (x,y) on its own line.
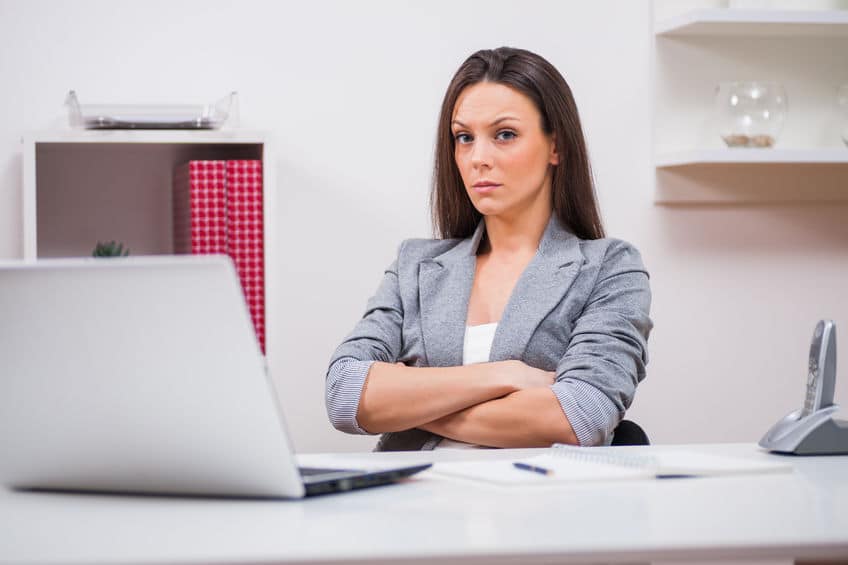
(567,463)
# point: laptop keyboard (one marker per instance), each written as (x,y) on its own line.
(309,471)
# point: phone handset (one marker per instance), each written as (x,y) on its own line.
(813,430)
(821,375)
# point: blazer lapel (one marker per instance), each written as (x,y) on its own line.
(444,286)
(540,288)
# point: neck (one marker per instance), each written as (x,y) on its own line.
(519,235)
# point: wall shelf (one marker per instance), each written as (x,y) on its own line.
(694,51)
(741,156)
(753,23)
(78,183)
(147,136)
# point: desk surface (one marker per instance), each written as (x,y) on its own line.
(430,519)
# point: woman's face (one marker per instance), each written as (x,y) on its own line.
(502,153)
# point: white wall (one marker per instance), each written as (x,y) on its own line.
(350,92)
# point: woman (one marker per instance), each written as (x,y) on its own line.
(522,325)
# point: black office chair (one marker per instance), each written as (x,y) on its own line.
(629,433)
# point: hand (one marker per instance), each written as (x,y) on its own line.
(522,376)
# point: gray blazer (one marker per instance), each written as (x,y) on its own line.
(580,308)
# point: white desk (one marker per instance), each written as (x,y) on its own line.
(803,514)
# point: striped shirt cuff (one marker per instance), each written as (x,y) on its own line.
(592,415)
(345,381)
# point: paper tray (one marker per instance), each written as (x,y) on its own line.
(158,116)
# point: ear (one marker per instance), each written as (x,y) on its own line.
(553,158)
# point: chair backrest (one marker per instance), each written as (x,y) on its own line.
(629,433)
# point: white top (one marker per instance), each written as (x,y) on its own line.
(476,349)
(478,343)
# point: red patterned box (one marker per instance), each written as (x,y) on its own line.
(218,209)
(200,207)
(245,240)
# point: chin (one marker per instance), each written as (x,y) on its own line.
(487,210)
(494,211)
(487,207)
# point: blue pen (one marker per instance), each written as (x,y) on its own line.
(532,468)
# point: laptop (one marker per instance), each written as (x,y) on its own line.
(144,375)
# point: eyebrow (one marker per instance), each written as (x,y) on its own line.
(496,122)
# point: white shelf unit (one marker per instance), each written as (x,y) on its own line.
(742,156)
(80,187)
(83,186)
(754,23)
(694,51)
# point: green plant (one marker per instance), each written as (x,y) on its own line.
(111,249)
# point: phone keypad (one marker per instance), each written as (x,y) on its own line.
(810,398)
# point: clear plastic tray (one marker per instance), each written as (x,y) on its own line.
(158,116)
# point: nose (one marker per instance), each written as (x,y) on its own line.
(481,154)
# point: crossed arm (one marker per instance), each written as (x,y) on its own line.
(503,404)
(526,418)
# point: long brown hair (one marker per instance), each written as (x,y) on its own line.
(572,187)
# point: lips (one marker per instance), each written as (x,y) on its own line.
(483,187)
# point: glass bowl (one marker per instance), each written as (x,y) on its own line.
(750,114)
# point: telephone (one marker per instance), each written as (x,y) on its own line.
(821,375)
(812,430)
